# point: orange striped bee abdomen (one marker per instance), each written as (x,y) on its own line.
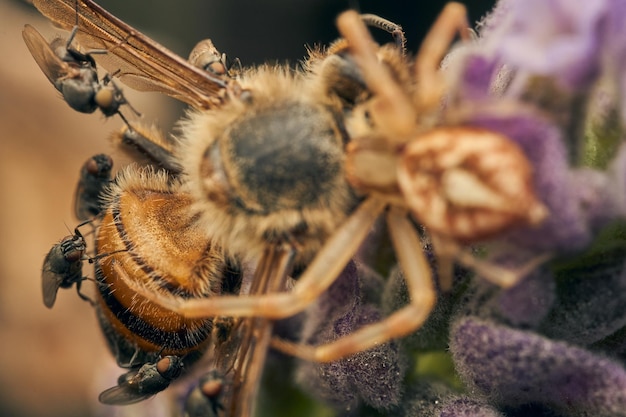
(152,239)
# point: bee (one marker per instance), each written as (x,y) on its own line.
(63,267)
(151,236)
(140,384)
(95,176)
(74,74)
(160,244)
(307,196)
(272,175)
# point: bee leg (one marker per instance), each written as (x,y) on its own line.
(422,293)
(140,141)
(318,276)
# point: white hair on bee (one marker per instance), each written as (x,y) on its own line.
(134,177)
(273,90)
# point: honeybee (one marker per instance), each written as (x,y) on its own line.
(63,267)
(265,180)
(301,196)
(158,243)
(150,235)
(95,176)
(74,74)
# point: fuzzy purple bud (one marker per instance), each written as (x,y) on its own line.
(514,367)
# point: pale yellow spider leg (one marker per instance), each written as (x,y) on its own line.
(422,293)
(451,21)
(319,275)
(445,256)
(391,109)
(504,277)
(500,276)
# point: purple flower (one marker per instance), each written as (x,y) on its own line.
(527,303)
(592,300)
(427,398)
(514,367)
(567,227)
(534,76)
(467,407)
(373,377)
(556,38)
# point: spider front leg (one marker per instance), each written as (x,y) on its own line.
(422,293)
(451,21)
(319,275)
(391,108)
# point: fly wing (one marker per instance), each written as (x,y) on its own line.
(122,395)
(48,61)
(137,60)
(50,284)
(127,391)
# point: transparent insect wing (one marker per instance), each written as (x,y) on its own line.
(72,73)
(51,280)
(137,60)
(50,63)
(125,393)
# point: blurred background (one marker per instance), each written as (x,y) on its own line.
(48,358)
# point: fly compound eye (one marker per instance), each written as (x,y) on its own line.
(169,367)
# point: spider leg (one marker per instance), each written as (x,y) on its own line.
(391,109)
(319,275)
(422,293)
(451,21)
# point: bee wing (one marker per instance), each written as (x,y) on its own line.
(137,60)
(48,61)
(254,334)
(50,284)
